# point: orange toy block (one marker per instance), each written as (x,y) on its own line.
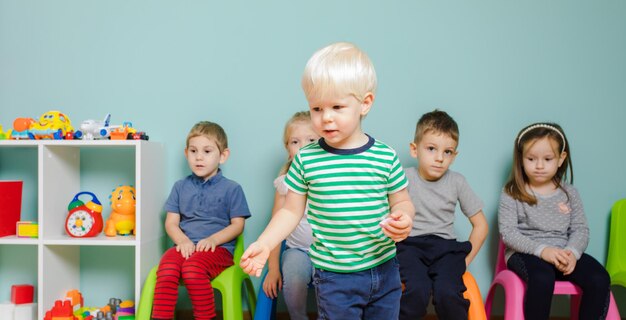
(75,298)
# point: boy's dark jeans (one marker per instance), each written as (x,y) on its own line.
(431,264)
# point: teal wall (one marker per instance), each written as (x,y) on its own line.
(495,66)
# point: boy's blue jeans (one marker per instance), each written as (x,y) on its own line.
(297,272)
(369,294)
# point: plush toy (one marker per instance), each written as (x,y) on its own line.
(122,219)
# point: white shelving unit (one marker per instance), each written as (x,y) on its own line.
(59,179)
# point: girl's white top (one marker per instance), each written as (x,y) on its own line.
(301,237)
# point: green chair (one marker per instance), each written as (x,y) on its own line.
(616,258)
(229,283)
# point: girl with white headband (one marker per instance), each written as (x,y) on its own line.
(542,223)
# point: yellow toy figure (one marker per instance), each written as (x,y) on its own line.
(122,219)
(51,125)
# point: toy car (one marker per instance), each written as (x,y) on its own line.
(123,132)
(51,125)
(138,136)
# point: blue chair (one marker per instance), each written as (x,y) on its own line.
(266,306)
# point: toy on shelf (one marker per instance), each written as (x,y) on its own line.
(27,229)
(61,310)
(95,129)
(24,311)
(139,136)
(115,309)
(122,218)
(84,219)
(5,135)
(76,299)
(11,204)
(127,132)
(22,293)
(51,125)
(21,128)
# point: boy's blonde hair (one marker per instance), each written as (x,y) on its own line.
(209,130)
(300,116)
(337,70)
(436,121)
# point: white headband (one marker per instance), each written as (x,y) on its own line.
(542,125)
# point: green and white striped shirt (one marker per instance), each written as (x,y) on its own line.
(347,192)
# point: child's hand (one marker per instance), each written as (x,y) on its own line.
(556,256)
(571,263)
(206,244)
(273,283)
(186,248)
(254,258)
(397,226)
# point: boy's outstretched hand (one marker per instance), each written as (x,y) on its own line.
(397,226)
(254,258)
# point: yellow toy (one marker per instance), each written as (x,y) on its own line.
(122,218)
(51,125)
(27,229)
(5,135)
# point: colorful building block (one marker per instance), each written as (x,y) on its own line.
(75,298)
(62,310)
(7,310)
(26,311)
(27,229)
(22,293)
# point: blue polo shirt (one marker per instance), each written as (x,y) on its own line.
(206,207)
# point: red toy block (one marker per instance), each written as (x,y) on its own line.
(10,206)
(22,293)
(62,310)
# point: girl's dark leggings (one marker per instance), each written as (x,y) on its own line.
(540,275)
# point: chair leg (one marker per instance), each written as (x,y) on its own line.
(232,303)
(144,308)
(476,309)
(489,301)
(613,313)
(574,306)
(251,296)
(265,307)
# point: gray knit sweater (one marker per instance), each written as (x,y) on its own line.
(554,221)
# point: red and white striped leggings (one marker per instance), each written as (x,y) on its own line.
(196,273)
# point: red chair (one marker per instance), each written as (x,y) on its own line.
(515,288)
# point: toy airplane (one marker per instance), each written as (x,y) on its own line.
(95,129)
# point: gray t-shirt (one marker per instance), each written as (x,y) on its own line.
(435,202)
(554,221)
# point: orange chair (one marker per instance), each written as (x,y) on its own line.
(477,308)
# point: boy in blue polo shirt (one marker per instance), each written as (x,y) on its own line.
(205,213)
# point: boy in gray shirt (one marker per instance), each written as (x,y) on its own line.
(431,259)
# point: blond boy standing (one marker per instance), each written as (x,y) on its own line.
(356,191)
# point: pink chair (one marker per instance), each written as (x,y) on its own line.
(515,288)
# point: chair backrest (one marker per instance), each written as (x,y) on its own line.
(238,249)
(500,263)
(616,258)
